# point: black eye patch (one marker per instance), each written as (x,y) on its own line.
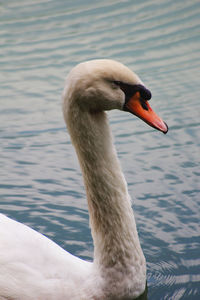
(129,90)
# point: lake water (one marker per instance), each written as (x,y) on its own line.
(40,179)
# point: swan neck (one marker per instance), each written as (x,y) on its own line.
(111,217)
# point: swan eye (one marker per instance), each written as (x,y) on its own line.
(116,82)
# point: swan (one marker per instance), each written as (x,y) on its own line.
(32,267)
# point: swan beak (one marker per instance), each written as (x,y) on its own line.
(141,108)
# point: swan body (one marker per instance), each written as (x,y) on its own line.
(34,267)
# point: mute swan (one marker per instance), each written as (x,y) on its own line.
(32,267)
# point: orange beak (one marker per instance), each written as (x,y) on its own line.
(142,110)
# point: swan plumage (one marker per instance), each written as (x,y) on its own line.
(34,267)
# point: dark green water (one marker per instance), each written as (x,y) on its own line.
(40,180)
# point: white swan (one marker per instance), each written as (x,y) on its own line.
(32,267)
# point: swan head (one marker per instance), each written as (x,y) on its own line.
(103,84)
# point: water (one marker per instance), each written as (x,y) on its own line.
(41,183)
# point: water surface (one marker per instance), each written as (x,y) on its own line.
(41,183)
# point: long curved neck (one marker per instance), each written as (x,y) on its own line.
(111,217)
